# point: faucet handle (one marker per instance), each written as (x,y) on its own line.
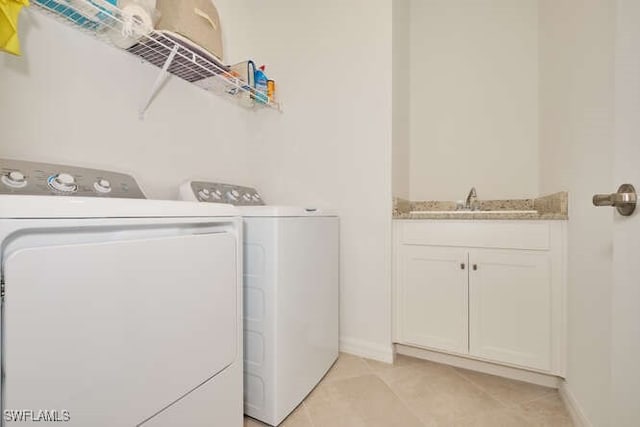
(471,201)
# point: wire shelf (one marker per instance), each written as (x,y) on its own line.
(173,55)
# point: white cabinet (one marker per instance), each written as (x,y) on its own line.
(434,297)
(510,303)
(490,290)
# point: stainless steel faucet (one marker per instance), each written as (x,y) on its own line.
(471,202)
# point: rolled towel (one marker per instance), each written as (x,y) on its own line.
(137,22)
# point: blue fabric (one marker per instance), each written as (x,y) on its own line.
(64,8)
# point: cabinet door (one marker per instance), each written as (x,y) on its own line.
(510,307)
(433,297)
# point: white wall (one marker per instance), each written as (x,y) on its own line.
(71,99)
(401,98)
(474,98)
(576,151)
(332,145)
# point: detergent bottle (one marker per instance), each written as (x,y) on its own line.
(261,85)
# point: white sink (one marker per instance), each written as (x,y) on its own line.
(469,212)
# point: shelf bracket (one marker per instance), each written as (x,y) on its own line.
(162,77)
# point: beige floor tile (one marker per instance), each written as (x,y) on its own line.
(365,399)
(407,371)
(347,366)
(504,390)
(250,422)
(443,399)
(408,386)
(372,399)
(298,418)
(350,420)
(560,421)
(326,401)
(548,410)
(500,418)
(411,381)
(397,421)
(401,360)
(416,393)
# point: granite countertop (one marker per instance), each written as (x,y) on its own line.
(547,208)
(506,215)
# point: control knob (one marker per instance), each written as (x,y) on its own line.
(233,195)
(63,182)
(102,186)
(204,193)
(14,179)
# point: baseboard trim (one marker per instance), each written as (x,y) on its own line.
(575,410)
(367,349)
(480,366)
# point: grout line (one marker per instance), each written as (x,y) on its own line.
(406,405)
(544,396)
(479,387)
(402,401)
(366,363)
(505,404)
(453,370)
(482,390)
(512,410)
(400,398)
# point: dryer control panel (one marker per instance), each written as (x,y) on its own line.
(43,179)
(213,192)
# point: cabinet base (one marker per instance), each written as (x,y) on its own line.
(538,378)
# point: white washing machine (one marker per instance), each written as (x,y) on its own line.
(291,297)
(116,311)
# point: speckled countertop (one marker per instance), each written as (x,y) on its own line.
(552,207)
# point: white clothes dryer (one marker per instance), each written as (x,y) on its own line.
(291,297)
(116,311)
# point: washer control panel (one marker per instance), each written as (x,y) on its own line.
(213,192)
(42,179)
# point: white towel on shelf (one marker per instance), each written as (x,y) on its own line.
(137,21)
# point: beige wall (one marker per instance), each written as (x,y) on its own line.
(576,152)
(474,98)
(401,95)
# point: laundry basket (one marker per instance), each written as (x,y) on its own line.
(197,20)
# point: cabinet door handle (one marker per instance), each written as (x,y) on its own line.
(475,267)
(462,266)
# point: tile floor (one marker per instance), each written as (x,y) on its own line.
(359,392)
